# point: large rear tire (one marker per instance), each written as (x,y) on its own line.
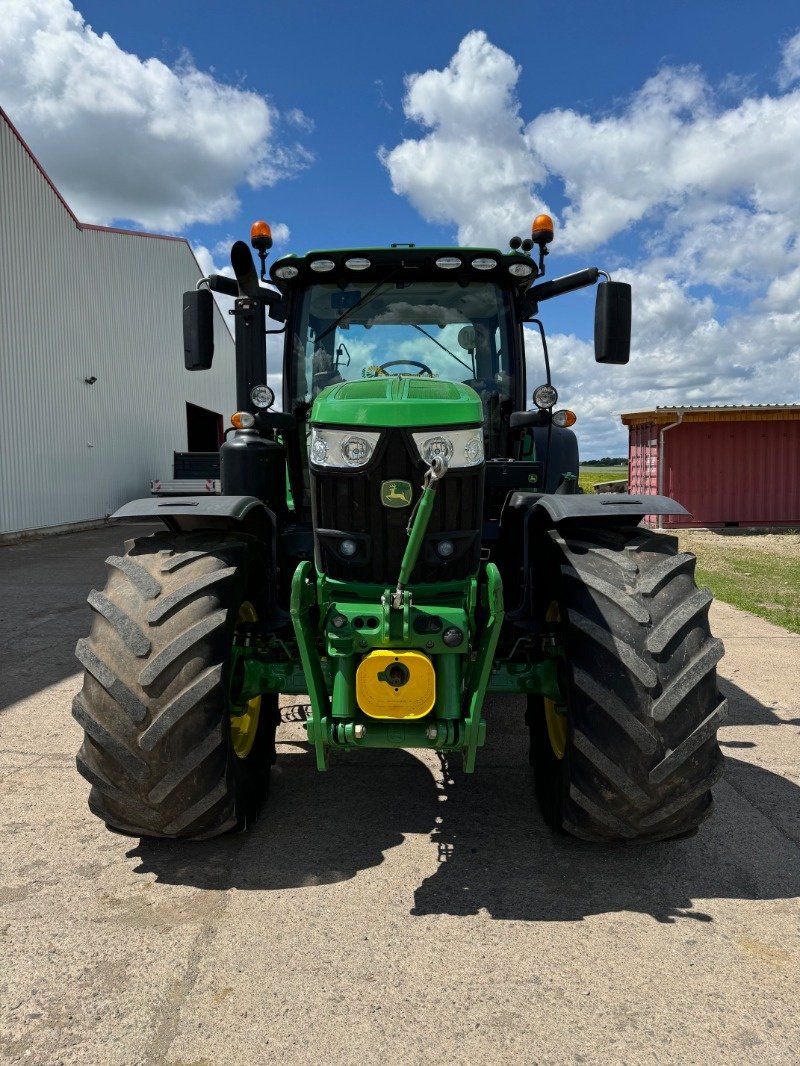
(633,753)
(161,751)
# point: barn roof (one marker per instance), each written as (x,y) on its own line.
(721,412)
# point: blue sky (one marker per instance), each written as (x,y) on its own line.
(662,136)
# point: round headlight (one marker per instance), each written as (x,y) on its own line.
(544,397)
(445,548)
(473,450)
(357,264)
(348,548)
(437,448)
(286,272)
(262,396)
(355,450)
(484,264)
(521,270)
(319,450)
(339,448)
(448,262)
(321,266)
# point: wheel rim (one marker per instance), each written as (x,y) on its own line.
(555,714)
(244,725)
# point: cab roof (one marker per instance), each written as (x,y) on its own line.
(407,262)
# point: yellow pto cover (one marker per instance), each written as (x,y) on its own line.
(395,684)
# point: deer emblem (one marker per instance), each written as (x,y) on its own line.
(396,493)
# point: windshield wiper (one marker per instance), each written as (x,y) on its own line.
(359,303)
(444,349)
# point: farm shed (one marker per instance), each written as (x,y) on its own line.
(94,397)
(728,466)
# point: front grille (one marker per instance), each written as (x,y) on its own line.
(349,502)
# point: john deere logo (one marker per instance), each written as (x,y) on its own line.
(396,493)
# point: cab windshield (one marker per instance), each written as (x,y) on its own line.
(440,329)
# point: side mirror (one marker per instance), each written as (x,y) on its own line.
(612,323)
(198,329)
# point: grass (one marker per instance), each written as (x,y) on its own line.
(759,573)
(589,476)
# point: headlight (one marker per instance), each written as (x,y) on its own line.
(545,397)
(460,447)
(341,448)
(262,396)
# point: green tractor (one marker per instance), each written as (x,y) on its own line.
(402,540)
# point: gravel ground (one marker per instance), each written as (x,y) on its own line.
(392,910)
(702,541)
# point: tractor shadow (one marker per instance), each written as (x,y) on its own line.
(494,854)
(316,828)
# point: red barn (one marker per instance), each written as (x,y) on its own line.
(728,466)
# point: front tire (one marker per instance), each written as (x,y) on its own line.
(159,750)
(642,705)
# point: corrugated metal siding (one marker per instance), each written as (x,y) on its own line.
(643,459)
(745,472)
(76,303)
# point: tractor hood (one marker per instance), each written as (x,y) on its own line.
(397,401)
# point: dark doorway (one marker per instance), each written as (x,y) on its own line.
(203,429)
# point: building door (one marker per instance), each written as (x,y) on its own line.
(204,429)
(643,459)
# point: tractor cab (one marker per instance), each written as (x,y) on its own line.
(424,313)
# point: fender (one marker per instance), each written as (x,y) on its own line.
(180,514)
(606,505)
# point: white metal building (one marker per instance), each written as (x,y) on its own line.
(94,397)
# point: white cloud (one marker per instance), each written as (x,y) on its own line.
(132,139)
(281,234)
(298,118)
(474,167)
(789,70)
(682,353)
(669,152)
(705,194)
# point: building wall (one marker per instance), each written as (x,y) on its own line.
(734,470)
(77,302)
(743,472)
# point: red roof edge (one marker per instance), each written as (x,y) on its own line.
(82,225)
(38,166)
(131,232)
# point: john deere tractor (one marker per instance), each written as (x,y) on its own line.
(401,540)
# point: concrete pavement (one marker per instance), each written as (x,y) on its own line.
(392,910)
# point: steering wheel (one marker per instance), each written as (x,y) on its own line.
(423,369)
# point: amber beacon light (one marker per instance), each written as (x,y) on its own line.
(261,240)
(261,236)
(542,230)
